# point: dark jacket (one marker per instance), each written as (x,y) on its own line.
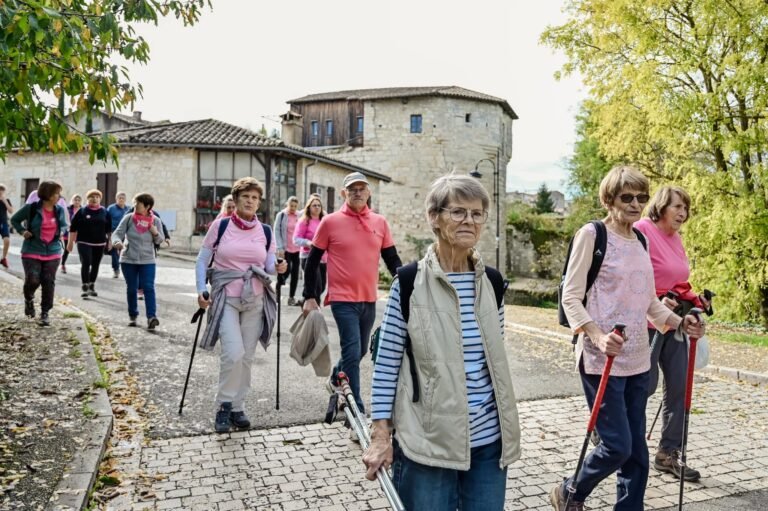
(30,218)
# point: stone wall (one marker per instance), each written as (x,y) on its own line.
(448,142)
(170,175)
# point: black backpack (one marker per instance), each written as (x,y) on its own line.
(601,243)
(407,276)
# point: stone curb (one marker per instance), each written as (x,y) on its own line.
(80,475)
(735,374)
(730,373)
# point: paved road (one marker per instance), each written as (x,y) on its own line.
(541,367)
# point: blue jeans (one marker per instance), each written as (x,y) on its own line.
(481,488)
(355,321)
(115,253)
(140,276)
(622,448)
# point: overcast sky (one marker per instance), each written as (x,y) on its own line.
(246,58)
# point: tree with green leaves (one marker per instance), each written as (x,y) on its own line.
(58,57)
(544,203)
(681,89)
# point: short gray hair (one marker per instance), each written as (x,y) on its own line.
(454,187)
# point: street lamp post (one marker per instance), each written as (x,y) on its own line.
(476,174)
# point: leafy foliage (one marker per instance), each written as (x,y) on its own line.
(65,49)
(681,89)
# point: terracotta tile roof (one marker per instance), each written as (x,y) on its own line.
(213,134)
(404,92)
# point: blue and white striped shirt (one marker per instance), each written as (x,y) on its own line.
(483,417)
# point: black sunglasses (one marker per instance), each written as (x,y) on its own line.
(627,198)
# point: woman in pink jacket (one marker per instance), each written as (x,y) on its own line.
(305,230)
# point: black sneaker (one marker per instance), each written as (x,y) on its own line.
(29,308)
(669,462)
(152,323)
(223,418)
(132,321)
(85,292)
(91,290)
(240,420)
(44,321)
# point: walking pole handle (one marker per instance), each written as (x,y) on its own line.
(617,329)
(691,362)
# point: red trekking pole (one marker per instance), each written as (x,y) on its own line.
(617,329)
(688,397)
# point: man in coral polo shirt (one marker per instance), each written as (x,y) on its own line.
(354,237)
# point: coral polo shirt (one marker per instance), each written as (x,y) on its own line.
(353,242)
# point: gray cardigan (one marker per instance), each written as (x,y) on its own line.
(138,248)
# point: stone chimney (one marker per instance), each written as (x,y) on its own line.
(136,115)
(292,128)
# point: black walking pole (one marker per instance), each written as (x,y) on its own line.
(688,396)
(277,370)
(617,329)
(197,317)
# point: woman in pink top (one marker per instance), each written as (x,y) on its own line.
(667,213)
(623,292)
(41,224)
(238,309)
(285,224)
(305,230)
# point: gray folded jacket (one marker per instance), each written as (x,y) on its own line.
(219,279)
(309,343)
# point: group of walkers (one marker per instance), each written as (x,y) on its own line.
(52,229)
(448,438)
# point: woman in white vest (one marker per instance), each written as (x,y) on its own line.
(451,446)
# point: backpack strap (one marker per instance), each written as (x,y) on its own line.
(499,284)
(406,275)
(601,244)
(641,237)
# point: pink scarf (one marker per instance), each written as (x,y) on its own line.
(244,224)
(142,223)
(362,216)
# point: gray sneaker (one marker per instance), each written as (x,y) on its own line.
(557,499)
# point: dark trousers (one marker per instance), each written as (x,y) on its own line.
(672,357)
(40,274)
(354,321)
(622,448)
(321,282)
(115,254)
(90,259)
(292,258)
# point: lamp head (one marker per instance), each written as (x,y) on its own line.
(474,173)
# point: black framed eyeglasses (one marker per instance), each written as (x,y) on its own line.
(627,198)
(479,216)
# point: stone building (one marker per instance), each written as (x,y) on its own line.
(188,167)
(413,135)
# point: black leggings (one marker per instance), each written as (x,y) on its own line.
(292,258)
(90,260)
(39,273)
(321,282)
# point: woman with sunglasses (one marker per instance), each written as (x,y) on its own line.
(667,213)
(623,292)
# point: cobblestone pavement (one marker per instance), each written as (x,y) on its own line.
(315,466)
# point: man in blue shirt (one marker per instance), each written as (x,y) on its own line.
(116,212)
